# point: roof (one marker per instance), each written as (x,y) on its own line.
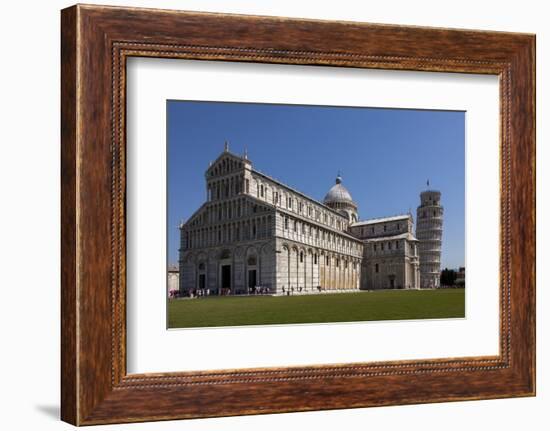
(226,153)
(318,224)
(338,193)
(245,159)
(407,235)
(381,220)
(324,206)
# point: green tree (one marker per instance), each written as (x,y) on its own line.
(448,277)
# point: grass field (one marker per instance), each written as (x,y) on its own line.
(342,307)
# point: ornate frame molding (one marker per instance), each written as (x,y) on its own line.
(96,41)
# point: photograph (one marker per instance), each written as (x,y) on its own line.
(283,214)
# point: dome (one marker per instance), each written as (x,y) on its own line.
(338,193)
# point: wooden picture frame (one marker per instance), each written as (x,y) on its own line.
(95,43)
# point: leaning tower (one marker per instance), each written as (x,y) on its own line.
(429,230)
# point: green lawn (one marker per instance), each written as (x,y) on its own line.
(342,307)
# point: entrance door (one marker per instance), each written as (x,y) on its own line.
(252,278)
(202,281)
(392,282)
(226,277)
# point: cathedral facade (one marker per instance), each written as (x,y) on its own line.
(254,234)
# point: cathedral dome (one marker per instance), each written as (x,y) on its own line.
(338,193)
(339,199)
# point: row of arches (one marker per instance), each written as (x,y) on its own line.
(240,270)
(260,227)
(280,197)
(225,166)
(225,188)
(429,224)
(307,269)
(300,230)
(231,209)
(227,210)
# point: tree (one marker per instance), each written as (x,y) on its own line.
(448,277)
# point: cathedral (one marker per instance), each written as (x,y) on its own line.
(254,234)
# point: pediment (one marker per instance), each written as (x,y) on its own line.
(225,164)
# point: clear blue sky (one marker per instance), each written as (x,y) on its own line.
(385,157)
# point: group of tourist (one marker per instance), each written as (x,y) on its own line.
(256,290)
(299,289)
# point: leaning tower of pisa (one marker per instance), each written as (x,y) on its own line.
(429,231)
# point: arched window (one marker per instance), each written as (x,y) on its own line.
(301,256)
(376,268)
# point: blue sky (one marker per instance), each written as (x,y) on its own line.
(385,157)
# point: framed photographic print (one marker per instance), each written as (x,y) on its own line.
(268,215)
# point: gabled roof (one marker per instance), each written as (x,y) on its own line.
(318,224)
(227,153)
(298,192)
(381,220)
(407,235)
